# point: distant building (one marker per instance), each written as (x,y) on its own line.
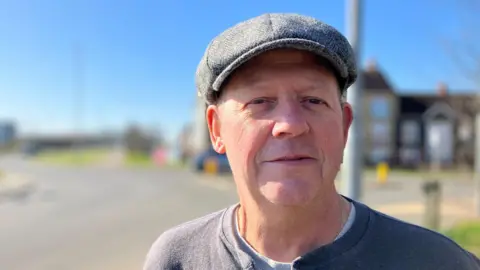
(184,145)
(199,140)
(8,133)
(34,144)
(412,130)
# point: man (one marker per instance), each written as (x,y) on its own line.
(275,87)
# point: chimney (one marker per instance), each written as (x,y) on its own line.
(442,89)
(371,65)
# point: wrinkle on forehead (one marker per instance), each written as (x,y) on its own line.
(282,59)
(284,56)
(300,75)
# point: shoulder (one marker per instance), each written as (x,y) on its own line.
(423,245)
(175,245)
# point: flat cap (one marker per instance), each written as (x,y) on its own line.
(242,42)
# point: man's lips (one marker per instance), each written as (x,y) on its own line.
(292,158)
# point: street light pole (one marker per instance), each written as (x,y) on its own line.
(78,87)
(477,162)
(352,168)
(78,94)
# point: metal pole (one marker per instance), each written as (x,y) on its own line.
(78,87)
(352,168)
(78,92)
(477,164)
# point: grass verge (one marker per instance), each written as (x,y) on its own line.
(138,159)
(142,160)
(73,157)
(467,235)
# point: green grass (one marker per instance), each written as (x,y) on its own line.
(138,159)
(73,157)
(142,160)
(467,235)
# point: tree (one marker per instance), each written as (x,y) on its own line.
(137,141)
(464,47)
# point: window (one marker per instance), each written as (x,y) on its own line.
(379,154)
(379,108)
(380,133)
(465,131)
(409,156)
(410,132)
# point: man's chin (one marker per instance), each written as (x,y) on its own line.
(288,193)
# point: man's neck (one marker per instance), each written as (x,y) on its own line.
(285,233)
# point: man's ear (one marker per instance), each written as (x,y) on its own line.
(214,128)
(347,120)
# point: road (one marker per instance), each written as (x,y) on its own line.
(97,218)
(107,218)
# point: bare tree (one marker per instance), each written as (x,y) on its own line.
(464,47)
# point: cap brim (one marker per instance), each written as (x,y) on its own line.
(288,43)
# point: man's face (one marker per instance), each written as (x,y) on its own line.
(282,126)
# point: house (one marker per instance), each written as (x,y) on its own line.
(412,130)
(380,112)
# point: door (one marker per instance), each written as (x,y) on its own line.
(440,141)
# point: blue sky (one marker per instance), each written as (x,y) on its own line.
(140,56)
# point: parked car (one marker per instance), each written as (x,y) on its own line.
(220,159)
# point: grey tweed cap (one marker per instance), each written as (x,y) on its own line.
(242,42)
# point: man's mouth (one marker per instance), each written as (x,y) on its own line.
(293,158)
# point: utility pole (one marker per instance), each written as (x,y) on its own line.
(78,90)
(477,161)
(352,169)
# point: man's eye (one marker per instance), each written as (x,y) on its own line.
(259,101)
(314,101)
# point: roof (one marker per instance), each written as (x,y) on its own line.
(463,103)
(375,82)
(440,108)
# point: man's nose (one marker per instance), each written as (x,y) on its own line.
(290,121)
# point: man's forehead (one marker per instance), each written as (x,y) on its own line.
(277,60)
(282,57)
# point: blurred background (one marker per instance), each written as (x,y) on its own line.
(103,141)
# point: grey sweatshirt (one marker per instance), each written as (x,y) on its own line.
(375,241)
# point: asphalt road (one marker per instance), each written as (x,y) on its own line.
(97,218)
(107,218)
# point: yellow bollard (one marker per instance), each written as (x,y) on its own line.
(382,172)
(210,166)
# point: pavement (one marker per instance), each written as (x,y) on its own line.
(107,217)
(14,186)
